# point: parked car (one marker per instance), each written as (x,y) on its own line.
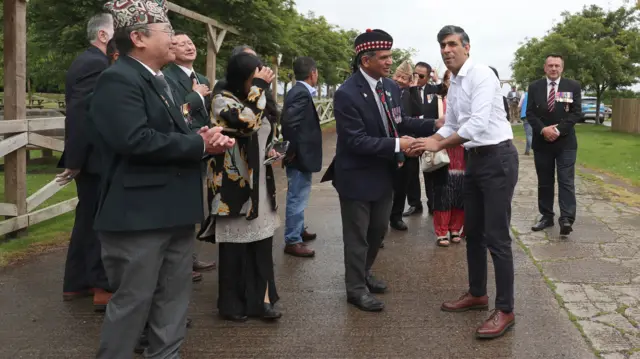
(589,110)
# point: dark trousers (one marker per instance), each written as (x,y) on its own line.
(546,164)
(400,182)
(83,268)
(489,182)
(414,193)
(364,225)
(245,270)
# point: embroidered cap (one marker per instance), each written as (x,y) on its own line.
(373,40)
(137,12)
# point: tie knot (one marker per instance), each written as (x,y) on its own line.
(193,75)
(379,85)
(553,83)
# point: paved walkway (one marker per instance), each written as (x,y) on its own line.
(593,273)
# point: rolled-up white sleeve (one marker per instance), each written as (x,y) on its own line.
(482,98)
(450,125)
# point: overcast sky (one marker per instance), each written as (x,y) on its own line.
(495,27)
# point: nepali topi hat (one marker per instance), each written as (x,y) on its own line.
(137,12)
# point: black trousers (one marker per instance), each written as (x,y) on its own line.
(83,268)
(364,225)
(547,162)
(490,178)
(400,182)
(414,193)
(244,272)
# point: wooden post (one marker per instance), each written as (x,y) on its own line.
(15,70)
(214,42)
(274,84)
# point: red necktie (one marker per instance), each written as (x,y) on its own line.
(551,101)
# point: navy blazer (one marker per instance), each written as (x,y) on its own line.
(365,159)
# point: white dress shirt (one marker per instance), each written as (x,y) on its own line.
(372,83)
(475,108)
(311,89)
(549,86)
(189,72)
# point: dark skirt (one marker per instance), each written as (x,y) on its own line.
(448,182)
(244,271)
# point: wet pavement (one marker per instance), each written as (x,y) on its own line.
(595,268)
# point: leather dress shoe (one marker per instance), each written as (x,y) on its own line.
(200,266)
(143,341)
(497,324)
(234,317)
(270,313)
(69,296)
(411,211)
(367,302)
(542,224)
(299,250)
(100,300)
(196,276)
(565,228)
(375,285)
(466,302)
(398,225)
(307,236)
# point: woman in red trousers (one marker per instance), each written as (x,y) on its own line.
(448,214)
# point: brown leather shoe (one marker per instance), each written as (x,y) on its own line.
(306,236)
(100,299)
(200,266)
(196,277)
(69,296)
(497,324)
(299,250)
(466,302)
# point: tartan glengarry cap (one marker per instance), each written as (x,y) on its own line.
(137,12)
(373,40)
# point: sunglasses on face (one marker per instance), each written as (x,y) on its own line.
(420,75)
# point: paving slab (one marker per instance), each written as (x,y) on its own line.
(596,270)
(317,321)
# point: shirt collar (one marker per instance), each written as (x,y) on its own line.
(468,65)
(186,70)
(146,67)
(556,81)
(372,82)
(312,90)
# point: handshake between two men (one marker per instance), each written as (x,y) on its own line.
(215,142)
(414,147)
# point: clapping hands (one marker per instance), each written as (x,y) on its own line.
(215,141)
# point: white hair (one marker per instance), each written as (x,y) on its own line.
(99,22)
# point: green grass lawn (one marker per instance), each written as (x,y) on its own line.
(599,148)
(44,235)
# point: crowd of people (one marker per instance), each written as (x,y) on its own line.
(156,152)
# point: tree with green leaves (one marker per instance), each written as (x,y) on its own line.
(601,49)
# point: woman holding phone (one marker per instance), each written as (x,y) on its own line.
(242,194)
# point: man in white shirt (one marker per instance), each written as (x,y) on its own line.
(476,118)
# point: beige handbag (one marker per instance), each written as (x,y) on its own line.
(431,161)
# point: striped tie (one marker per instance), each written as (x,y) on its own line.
(551,101)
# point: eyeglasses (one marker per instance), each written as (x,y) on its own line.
(171,32)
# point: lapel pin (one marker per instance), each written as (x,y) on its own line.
(364,94)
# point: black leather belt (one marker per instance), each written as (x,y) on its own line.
(486,150)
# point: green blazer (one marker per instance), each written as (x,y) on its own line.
(182,86)
(152,175)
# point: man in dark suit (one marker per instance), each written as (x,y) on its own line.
(151,191)
(369,115)
(412,107)
(426,94)
(553,108)
(84,272)
(301,127)
(193,89)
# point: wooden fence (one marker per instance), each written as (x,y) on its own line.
(626,115)
(34,133)
(24,134)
